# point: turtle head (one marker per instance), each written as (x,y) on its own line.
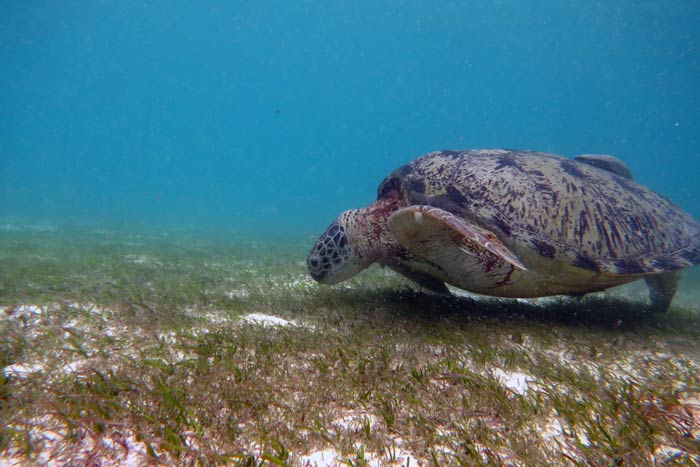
(340,252)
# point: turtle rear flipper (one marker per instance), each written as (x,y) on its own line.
(461,249)
(662,288)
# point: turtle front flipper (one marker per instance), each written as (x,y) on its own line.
(466,254)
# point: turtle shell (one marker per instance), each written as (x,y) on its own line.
(559,208)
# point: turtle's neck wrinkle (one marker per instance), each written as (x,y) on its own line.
(375,242)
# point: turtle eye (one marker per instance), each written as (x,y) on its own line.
(314,261)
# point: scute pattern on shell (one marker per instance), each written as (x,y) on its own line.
(560,208)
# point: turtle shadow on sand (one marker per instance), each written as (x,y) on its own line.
(599,312)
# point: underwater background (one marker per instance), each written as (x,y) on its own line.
(166,165)
(275,116)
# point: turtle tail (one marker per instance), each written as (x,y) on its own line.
(694,251)
(691,253)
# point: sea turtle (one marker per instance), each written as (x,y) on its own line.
(512,223)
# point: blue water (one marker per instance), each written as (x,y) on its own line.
(276,115)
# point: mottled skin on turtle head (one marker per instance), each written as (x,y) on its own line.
(354,240)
